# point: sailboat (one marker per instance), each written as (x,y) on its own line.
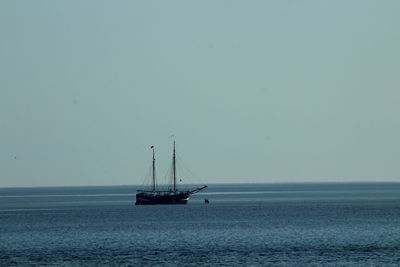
(170,196)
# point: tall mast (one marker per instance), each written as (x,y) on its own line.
(154,170)
(174,169)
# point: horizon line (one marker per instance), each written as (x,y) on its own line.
(221,183)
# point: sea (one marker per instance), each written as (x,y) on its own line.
(304,224)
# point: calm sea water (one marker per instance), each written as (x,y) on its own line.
(244,225)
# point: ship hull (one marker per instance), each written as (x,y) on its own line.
(160,199)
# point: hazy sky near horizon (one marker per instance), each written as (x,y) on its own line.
(254,91)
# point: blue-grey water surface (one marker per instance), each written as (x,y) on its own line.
(244,225)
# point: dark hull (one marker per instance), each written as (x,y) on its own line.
(158,199)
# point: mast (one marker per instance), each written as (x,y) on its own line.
(154,170)
(174,169)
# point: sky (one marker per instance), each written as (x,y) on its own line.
(253,91)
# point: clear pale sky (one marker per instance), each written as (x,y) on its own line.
(254,91)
